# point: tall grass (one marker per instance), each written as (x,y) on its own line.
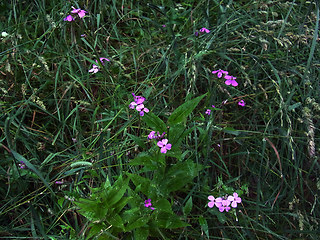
(74,127)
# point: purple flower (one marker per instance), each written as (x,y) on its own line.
(219,72)
(151,135)
(234,199)
(241,103)
(142,109)
(224,205)
(214,202)
(96,68)
(208,112)
(59,182)
(196,33)
(164,145)
(138,99)
(68,18)
(230,80)
(147,204)
(22,165)
(80,12)
(213,106)
(204,30)
(164,25)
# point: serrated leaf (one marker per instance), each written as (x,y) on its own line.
(181,113)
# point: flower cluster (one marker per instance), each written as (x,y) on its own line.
(224,203)
(147,204)
(229,80)
(153,135)
(208,111)
(138,104)
(22,165)
(95,68)
(81,13)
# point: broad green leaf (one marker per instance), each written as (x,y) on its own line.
(163,205)
(117,191)
(140,222)
(141,233)
(188,207)
(169,221)
(181,113)
(154,122)
(116,221)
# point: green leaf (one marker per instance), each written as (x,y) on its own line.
(141,233)
(169,221)
(163,205)
(140,222)
(204,226)
(188,207)
(117,191)
(179,175)
(181,113)
(296,105)
(231,130)
(154,122)
(116,221)
(32,167)
(137,140)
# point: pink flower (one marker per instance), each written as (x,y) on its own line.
(94,69)
(102,59)
(241,103)
(208,112)
(138,99)
(219,72)
(224,205)
(214,202)
(230,80)
(204,30)
(234,199)
(213,106)
(142,109)
(164,145)
(147,204)
(81,13)
(68,18)
(152,135)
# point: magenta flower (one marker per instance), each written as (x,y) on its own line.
(164,25)
(219,72)
(68,18)
(214,202)
(152,135)
(147,204)
(164,145)
(241,103)
(96,68)
(224,205)
(204,30)
(81,13)
(230,80)
(208,112)
(138,99)
(142,109)
(234,199)
(213,106)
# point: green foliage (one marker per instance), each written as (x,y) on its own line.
(75,160)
